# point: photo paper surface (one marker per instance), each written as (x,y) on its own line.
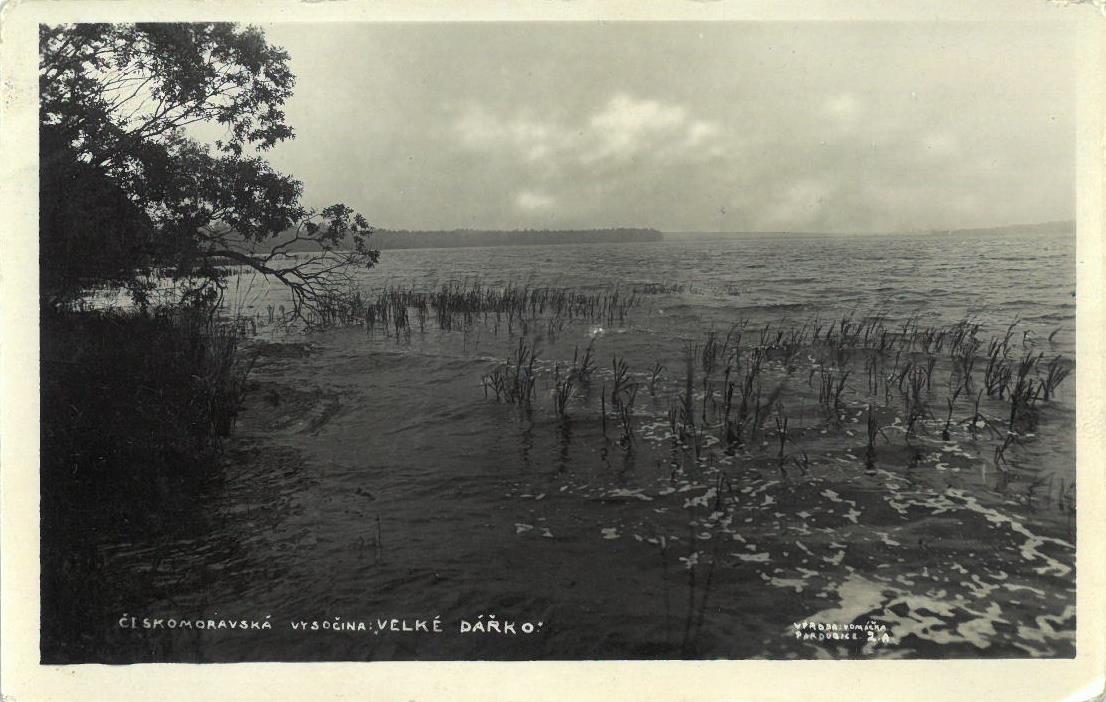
(416,338)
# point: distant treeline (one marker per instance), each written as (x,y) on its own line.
(412,239)
(1036,229)
(405,239)
(1040,228)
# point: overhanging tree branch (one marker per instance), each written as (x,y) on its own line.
(115,100)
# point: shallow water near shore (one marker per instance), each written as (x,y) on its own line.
(372,477)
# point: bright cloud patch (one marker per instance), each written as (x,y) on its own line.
(844,110)
(601,154)
(622,129)
(626,127)
(477,128)
(699,132)
(531,201)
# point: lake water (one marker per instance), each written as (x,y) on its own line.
(373,478)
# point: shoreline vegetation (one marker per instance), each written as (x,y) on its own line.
(135,406)
(386,239)
(1053,228)
(404,239)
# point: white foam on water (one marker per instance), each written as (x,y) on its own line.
(857,596)
(627,493)
(753,557)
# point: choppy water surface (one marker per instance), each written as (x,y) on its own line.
(373,478)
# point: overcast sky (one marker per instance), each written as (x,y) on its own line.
(684,127)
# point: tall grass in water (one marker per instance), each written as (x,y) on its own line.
(583,366)
(946,433)
(916,399)
(134,410)
(1056,372)
(749,392)
(654,375)
(564,387)
(782,438)
(873,429)
(623,393)
(117,383)
(708,357)
(685,411)
(515,380)
(904,368)
(1025,391)
(460,306)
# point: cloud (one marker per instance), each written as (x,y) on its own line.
(845,164)
(535,140)
(699,132)
(476,128)
(519,137)
(610,150)
(843,110)
(782,126)
(531,201)
(624,128)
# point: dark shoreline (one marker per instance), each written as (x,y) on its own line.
(398,240)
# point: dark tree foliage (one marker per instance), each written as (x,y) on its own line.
(128,192)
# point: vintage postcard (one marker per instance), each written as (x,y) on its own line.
(593,351)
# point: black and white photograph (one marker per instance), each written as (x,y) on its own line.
(383,341)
